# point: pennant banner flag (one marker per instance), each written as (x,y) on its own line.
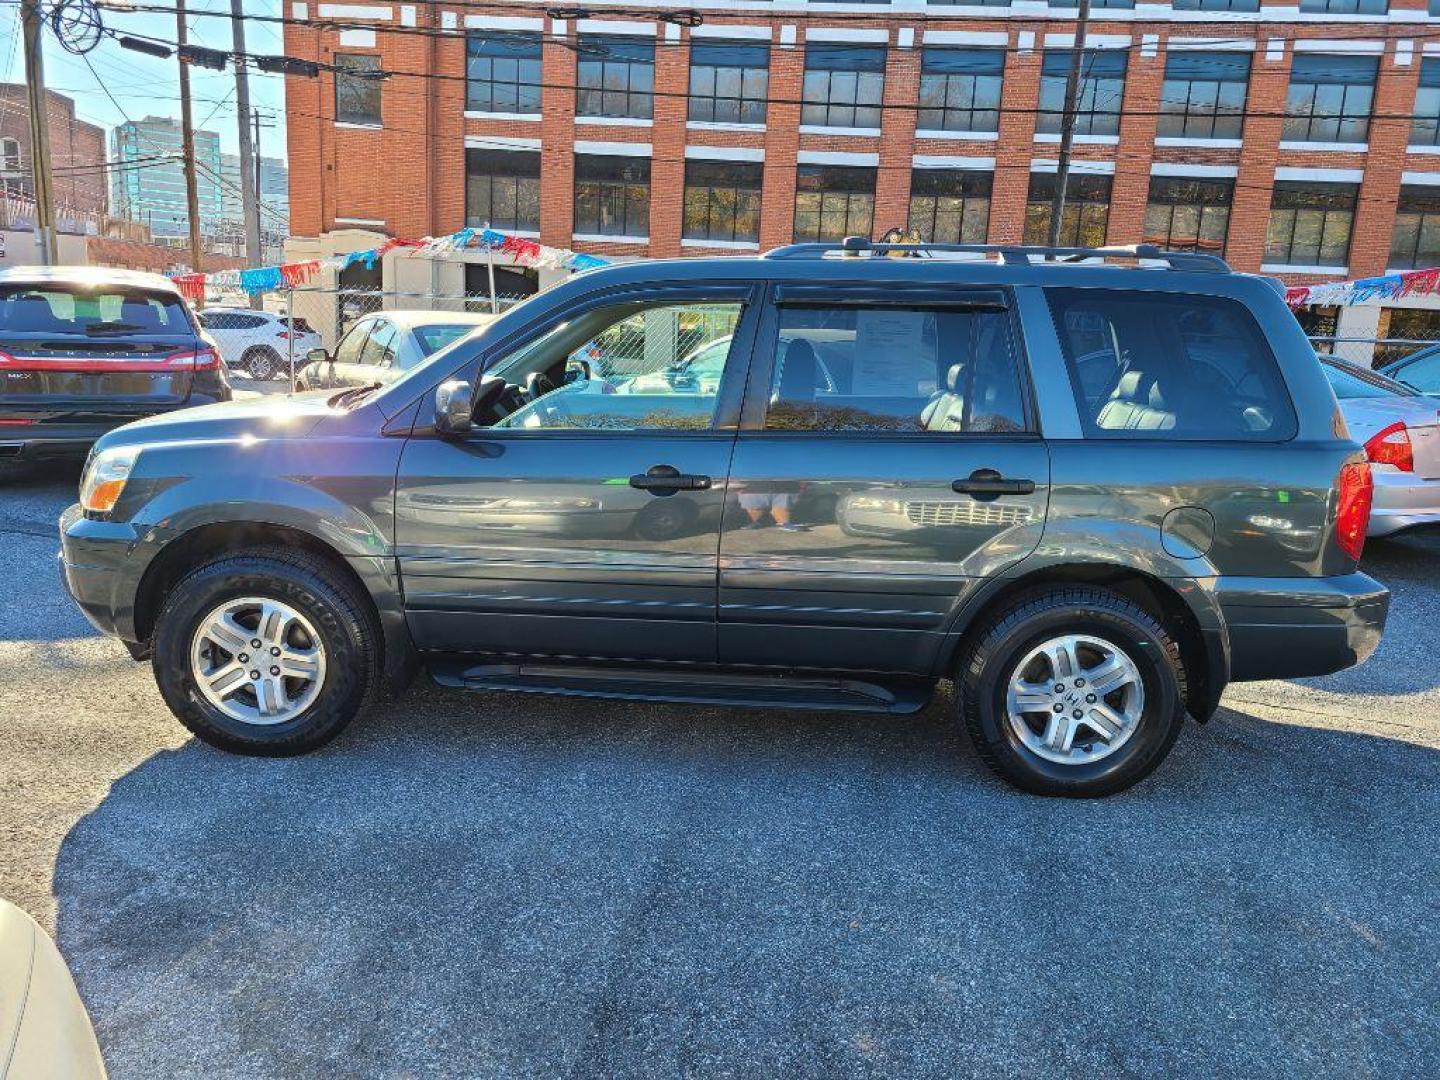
(1365,290)
(522,249)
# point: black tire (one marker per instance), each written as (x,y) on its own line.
(262,364)
(344,621)
(989,661)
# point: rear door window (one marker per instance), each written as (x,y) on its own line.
(886,368)
(1167,366)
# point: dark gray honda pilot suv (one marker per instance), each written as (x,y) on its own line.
(1092,494)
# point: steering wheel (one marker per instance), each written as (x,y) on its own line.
(537,385)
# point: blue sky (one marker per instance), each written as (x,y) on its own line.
(144,86)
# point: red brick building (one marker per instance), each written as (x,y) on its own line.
(1302,139)
(77,153)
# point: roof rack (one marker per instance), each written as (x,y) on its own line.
(1010,254)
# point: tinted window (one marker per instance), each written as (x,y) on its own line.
(434,338)
(1423,374)
(55,309)
(247,322)
(895,369)
(1148,365)
(1354,382)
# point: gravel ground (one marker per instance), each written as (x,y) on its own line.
(466,885)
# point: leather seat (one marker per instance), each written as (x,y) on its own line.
(945,411)
(1136,404)
(798,368)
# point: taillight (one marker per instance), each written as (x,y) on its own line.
(283,335)
(6,358)
(198,359)
(1391,447)
(1352,515)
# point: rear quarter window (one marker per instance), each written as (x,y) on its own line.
(1168,366)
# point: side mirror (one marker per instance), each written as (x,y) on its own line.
(453,409)
(316,356)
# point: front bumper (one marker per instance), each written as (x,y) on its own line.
(1402,501)
(101,563)
(1286,628)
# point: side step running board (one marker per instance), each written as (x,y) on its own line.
(697,687)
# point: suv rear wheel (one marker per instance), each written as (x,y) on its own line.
(1072,691)
(263,364)
(266,652)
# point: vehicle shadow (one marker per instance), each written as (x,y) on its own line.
(500,885)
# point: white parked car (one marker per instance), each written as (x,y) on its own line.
(381,347)
(44,1029)
(258,342)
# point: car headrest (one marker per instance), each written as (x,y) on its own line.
(797,372)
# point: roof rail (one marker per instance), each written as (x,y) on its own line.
(1010,254)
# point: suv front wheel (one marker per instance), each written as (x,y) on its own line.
(1072,691)
(268,652)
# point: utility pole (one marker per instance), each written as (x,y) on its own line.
(249,160)
(40,177)
(1067,122)
(187,139)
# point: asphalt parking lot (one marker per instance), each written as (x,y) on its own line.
(466,885)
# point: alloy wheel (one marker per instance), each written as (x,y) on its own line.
(258,660)
(1075,699)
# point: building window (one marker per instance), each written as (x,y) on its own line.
(728,82)
(833,202)
(1310,224)
(1086,215)
(1415,244)
(9,155)
(502,189)
(616,77)
(1203,96)
(960,89)
(722,200)
(357,88)
(502,73)
(1102,87)
(612,195)
(1330,98)
(1186,214)
(950,206)
(1346,7)
(979,3)
(1123,4)
(1425,129)
(844,85)
(1217,5)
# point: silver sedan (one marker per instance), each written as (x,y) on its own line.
(1400,430)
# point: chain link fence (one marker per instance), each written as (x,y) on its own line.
(1370,352)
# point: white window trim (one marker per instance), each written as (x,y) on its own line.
(1206,44)
(947,161)
(374,12)
(719,125)
(721,245)
(500,142)
(350,125)
(1327,147)
(1287,268)
(731,32)
(1329,176)
(614,149)
(850,35)
(1339,46)
(614,121)
(596,238)
(1092,41)
(1092,168)
(1428,179)
(372,222)
(1199,144)
(504,22)
(843,132)
(1080,140)
(1422,149)
(724,153)
(1176,168)
(624,27)
(837,157)
(524,117)
(977,39)
(959,136)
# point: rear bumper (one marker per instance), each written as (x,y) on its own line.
(28,442)
(1286,628)
(1403,502)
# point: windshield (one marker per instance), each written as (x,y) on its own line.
(67,310)
(434,338)
(1355,382)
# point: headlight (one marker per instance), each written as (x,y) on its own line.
(104,479)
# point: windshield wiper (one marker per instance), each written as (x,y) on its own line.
(353,395)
